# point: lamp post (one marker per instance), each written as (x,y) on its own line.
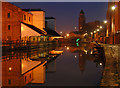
(113,23)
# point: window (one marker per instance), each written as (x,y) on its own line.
(8,27)
(33,38)
(8,15)
(24,17)
(9,81)
(30,75)
(29,18)
(25,78)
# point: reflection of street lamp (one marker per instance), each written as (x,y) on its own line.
(91,35)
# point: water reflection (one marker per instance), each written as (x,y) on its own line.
(23,67)
(68,65)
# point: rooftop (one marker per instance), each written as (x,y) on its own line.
(82,12)
(35,28)
(32,10)
(51,32)
(49,18)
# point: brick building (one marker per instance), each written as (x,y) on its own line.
(113,25)
(21,24)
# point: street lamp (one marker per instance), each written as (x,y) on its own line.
(98,30)
(61,32)
(101,27)
(94,31)
(67,35)
(113,7)
(105,21)
(113,23)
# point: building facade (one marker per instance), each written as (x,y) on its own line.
(50,23)
(11,20)
(113,25)
(81,20)
(21,24)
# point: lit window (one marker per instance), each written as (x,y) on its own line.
(8,27)
(24,17)
(10,68)
(8,15)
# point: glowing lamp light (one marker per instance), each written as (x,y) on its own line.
(94,31)
(105,21)
(80,54)
(91,33)
(67,35)
(91,52)
(10,68)
(100,63)
(113,7)
(61,32)
(75,56)
(98,30)
(101,27)
(67,48)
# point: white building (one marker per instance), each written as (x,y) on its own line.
(38,18)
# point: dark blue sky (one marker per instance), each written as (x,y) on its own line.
(67,13)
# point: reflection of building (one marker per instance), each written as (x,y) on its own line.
(21,68)
(82,63)
(11,73)
(19,72)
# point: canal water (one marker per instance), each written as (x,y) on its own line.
(64,65)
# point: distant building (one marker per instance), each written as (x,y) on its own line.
(50,22)
(81,20)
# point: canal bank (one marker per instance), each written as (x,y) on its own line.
(111,73)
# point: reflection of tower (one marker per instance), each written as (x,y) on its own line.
(81,20)
(81,63)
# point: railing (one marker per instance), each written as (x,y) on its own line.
(24,44)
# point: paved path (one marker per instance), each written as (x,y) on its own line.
(111,74)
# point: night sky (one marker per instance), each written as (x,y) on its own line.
(67,13)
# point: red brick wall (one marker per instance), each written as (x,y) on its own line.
(16,17)
(13,21)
